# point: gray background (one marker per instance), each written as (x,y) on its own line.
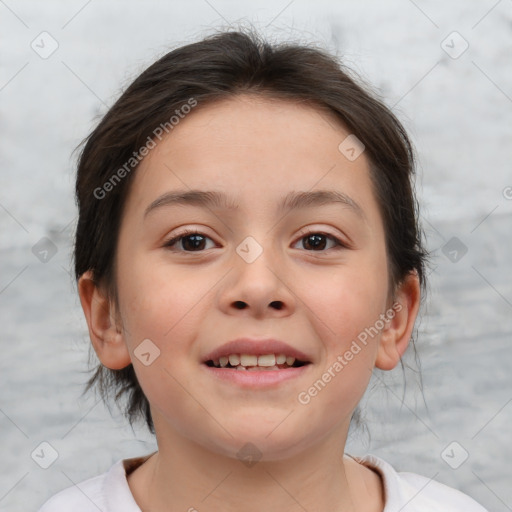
(457,109)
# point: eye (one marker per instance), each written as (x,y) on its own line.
(189,241)
(195,241)
(317,241)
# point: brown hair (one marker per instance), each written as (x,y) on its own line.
(215,68)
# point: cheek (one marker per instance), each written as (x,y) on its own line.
(168,308)
(165,308)
(348,305)
(346,301)
(157,302)
(344,316)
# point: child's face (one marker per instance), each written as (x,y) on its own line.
(189,303)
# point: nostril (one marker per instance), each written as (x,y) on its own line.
(277,304)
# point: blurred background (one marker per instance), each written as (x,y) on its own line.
(445,70)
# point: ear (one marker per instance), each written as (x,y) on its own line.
(397,332)
(106,338)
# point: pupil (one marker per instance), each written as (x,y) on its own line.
(198,240)
(317,241)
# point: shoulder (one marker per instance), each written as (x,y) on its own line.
(108,492)
(83,497)
(410,492)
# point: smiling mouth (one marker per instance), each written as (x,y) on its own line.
(249,362)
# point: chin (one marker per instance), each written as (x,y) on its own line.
(255,444)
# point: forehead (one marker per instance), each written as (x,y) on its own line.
(248,121)
(257,149)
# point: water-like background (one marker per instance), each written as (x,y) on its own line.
(458,112)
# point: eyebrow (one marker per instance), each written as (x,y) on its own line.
(292,201)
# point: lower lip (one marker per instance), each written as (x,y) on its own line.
(257,378)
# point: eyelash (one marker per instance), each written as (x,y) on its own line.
(339,244)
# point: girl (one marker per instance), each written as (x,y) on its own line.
(247,252)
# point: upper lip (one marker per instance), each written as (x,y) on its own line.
(258,347)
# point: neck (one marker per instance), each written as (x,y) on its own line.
(183,475)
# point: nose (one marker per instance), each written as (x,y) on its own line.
(257,287)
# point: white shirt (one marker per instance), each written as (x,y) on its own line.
(404,492)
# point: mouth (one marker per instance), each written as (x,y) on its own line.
(256,363)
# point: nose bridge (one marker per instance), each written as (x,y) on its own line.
(256,257)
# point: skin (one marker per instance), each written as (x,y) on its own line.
(256,150)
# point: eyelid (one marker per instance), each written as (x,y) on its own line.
(342,241)
(186,232)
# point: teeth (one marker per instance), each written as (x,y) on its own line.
(234,359)
(248,360)
(267,360)
(256,368)
(280,359)
(252,362)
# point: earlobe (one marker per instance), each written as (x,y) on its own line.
(397,333)
(106,337)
